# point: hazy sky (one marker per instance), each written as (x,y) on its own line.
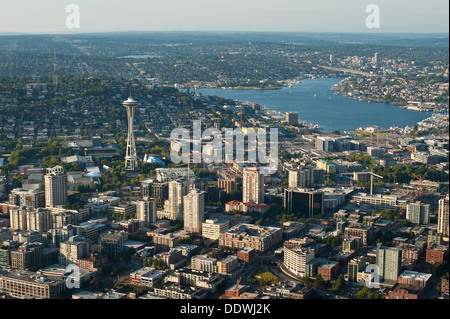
(42,16)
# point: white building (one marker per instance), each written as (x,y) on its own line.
(146,211)
(194,211)
(55,187)
(296,258)
(212,228)
(253,186)
(174,206)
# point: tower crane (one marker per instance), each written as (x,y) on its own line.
(371,181)
(236,289)
(420,184)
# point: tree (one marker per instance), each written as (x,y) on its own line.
(362,294)
(340,284)
(320,282)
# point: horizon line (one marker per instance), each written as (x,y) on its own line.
(370,33)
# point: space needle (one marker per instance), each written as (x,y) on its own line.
(130,157)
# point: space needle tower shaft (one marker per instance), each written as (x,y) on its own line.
(130,157)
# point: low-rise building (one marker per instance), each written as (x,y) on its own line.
(436,254)
(414,278)
(260,238)
(400,291)
(246,254)
(25,284)
(147,276)
(212,228)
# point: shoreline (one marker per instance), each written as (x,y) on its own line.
(278,115)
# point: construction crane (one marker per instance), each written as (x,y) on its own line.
(378,138)
(236,289)
(371,181)
(189,162)
(420,184)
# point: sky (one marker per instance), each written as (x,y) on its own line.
(396,16)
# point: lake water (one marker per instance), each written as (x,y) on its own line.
(139,57)
(316,103)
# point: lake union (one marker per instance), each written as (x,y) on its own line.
(316,103)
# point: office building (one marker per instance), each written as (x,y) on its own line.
(212,228)
(325,144)
(307,202)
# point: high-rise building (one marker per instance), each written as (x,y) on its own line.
(389,261)
(307,202)
(253,186)
(18,219)
(146,211)
(27,197)
(301,177)
(194,211)
(131,155)
(73,249)
(292,118)
(39,219)
(64,218)
(443,213)
(177,190)
(355,266)
(55,187)
(27,257)
(227,185)
(296,258)
(29,218)
(154,189)
(375,58)
(418,213)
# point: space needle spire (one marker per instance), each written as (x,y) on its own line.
(130,157)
